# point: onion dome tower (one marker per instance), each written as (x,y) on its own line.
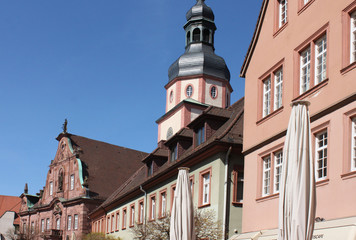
(198,78)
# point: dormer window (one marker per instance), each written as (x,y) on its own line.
(150,168)
(174,153)
(201,135)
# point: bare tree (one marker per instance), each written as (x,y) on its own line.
(206,227)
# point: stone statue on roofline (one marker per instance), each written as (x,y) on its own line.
(64,127)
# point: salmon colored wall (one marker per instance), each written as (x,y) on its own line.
(336,196)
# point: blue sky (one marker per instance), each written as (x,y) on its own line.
(100,64)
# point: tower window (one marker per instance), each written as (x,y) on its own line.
(196,35)
(171,97)
(213,92)
(189,91)
(188,38)
(169,132)
(206,34)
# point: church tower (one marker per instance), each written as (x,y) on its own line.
(198,78)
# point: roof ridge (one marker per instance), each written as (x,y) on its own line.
(238,115)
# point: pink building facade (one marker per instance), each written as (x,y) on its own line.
(301,50)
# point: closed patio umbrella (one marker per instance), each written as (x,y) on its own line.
(182,215)
(297,201)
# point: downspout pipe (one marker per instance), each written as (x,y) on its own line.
(145,206)
(226,195)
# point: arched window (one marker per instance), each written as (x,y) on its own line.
(206,34)
(169,132)
(196,35)
(188,38)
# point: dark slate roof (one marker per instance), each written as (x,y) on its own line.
(107,166)
(199,11)
(199,58)
(230,132)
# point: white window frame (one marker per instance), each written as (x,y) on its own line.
(32,227)
(278,88)
(206,188)
(282,18)
(50,188)
(132,218)
(153,208)
(266,177)
(353,144)
(321,155)
(306,1)
(266,97)
(353,37)
(76,219)
(140,220)
(69,223)
(163,204)
(320,59)
(124,218)
(72,182)
(305,64)
(278,162)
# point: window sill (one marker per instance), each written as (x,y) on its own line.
(204,205)
(305,6)
(237,204)
(123,228)
(348,175)
(280,29)
(269,197)
(312,90)
(131,226)
(348,68)
(116,230)
(322,182)
(272,114)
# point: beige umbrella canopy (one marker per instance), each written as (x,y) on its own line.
(297,201)
(182,215)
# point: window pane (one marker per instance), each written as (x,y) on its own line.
(266,97)
(278,88)
(321,155)
(353,37)
(278,159)
(305,70)
(206,188)
(320,60)
(266,176)
(282,12)
(353,144)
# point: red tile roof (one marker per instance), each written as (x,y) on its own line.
(10,204)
